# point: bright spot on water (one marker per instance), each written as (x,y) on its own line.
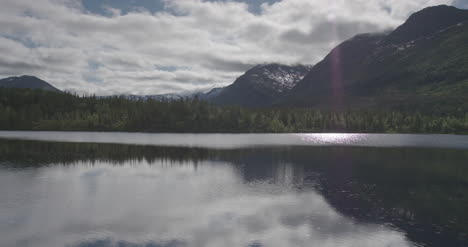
(332,138)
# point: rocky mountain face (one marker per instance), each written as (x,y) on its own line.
(423,64)
(27,82)
(261,85)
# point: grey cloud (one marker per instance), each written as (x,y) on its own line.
(461,4)
(17,66)
(259,31)
(224,64)
(327,31)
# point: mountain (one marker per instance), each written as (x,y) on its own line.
(158,97)
(27,82)
(426,22)
(207,96)
(422,64)
(261,85)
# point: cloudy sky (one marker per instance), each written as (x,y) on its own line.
(163,46)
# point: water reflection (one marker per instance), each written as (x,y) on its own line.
(65,194)
(161,205)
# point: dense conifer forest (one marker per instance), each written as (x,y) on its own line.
(25,109)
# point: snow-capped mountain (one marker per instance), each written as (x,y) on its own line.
(278,77)
(262,85)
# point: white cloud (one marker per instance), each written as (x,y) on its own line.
(207,43)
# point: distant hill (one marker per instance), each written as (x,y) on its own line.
(158,97)
(261,85)
(207,96)
(25,81)
(421,65)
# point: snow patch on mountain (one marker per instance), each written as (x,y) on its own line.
(280,78)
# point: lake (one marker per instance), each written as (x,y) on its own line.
(83,189)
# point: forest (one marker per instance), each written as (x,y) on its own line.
(26,109)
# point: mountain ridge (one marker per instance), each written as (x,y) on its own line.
(434,18)
(27,81)
(262,85)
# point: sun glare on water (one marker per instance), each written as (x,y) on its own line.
(331,138)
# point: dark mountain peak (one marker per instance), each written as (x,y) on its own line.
(277,68)
(274,76)
(428,21)
(29,77)
(262,84)
(24,77)
(27,81)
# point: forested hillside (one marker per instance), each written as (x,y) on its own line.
(26,109)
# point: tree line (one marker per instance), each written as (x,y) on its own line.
(25,109)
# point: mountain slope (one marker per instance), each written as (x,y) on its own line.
(25,81)
(208,95)
(422,65)
(261,85)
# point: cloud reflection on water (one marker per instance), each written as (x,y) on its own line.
(162,204)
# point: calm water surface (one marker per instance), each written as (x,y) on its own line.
(229,141)
(232,190)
